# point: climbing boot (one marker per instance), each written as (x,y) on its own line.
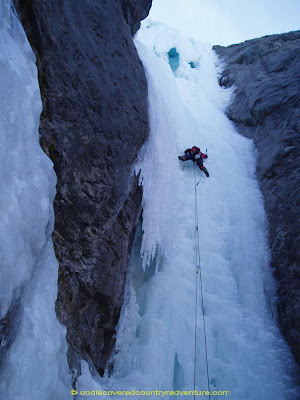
(205,171)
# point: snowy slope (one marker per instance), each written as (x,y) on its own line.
(155,344)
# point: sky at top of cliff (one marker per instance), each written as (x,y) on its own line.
(226,22)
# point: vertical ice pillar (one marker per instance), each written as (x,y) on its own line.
(33,348)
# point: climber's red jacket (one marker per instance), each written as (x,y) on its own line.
(195,150)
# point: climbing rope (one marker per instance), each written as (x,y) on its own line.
(198,273)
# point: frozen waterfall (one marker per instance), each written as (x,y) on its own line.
(32,347)
(155,350)
(247,355)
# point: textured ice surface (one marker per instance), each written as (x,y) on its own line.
(34,362)
(155,342)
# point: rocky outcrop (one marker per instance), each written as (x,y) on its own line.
(134,11)
(266,108)
(94,121)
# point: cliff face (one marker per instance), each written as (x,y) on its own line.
(266,108)
(94,121)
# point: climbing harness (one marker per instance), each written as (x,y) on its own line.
(198,273)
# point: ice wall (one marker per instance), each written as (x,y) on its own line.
(33,347)
(155,344)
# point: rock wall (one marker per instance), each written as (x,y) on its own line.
(266,108)
(94,121)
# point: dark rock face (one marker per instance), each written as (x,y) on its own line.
(94,121)
(266,108)
(135,11)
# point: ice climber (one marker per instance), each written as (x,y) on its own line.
(197,156)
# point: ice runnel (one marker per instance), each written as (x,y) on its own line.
(33,345)
(155,342)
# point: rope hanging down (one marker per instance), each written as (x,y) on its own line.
(198,273)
